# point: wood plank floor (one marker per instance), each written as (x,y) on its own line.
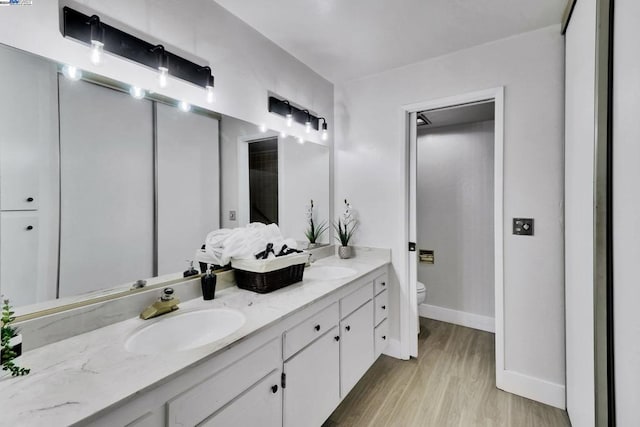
(452,383)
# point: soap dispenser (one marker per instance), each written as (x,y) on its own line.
(191,271)
(208,282)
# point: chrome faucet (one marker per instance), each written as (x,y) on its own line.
(165,304)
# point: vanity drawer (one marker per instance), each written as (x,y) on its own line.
(355,300)
(381,337)
(381,306)
(198,403)
(381,283)
(306,332)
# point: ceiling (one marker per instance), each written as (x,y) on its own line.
(347,39)
(457,115)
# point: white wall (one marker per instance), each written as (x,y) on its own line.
(370,167)
(246,65)
(579,215)
(304,175)
(455,216)
(626,210)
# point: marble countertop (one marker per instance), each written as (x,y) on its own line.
(73,379)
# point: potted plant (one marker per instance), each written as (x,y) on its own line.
(314,231)
(10,343)
(345,227)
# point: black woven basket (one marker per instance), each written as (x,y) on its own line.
(270,281)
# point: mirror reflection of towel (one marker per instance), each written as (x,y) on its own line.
(243,243)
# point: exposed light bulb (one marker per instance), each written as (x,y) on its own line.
(263,128)
(184,106)
(210,95)
(307,126)
(300,140)
(325,133)
(289,120)
(71,72)
(136,92)
(163,74)
(97,51)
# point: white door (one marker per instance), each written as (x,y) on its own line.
(261,405)
(356,346)
(312,389)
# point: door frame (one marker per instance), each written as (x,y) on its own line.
(408,304)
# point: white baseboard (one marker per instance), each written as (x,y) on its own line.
(470,320)
(532,388)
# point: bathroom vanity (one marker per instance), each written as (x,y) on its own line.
(299,352)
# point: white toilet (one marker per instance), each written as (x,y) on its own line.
(422,292)
(422,295)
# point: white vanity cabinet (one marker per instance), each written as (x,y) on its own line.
(295,373)
(261,405)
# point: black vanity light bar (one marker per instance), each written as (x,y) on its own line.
(82,28)
(283,108)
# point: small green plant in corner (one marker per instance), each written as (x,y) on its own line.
(314,231)
(7,353)
(346,225)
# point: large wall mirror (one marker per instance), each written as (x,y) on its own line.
(100,188)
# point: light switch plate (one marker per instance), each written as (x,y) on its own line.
(523,226)
(232,215)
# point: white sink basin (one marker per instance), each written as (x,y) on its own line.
(185,331)
(326,272)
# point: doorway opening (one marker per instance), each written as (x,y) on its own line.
(454,212)
(263,181)
(455,216)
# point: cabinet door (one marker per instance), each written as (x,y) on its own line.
(261,405)
(356,347)
(18,256)
(312,389)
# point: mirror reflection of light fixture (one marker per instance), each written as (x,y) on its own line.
(209,89)
(163,65)
(209,86)
(289,115)
(71,72)
(325,133)
(283,107)
(307,123)
(97,40)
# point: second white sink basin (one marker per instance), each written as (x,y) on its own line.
(185,331)
(326,272)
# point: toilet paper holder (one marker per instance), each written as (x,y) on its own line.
(427,256)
